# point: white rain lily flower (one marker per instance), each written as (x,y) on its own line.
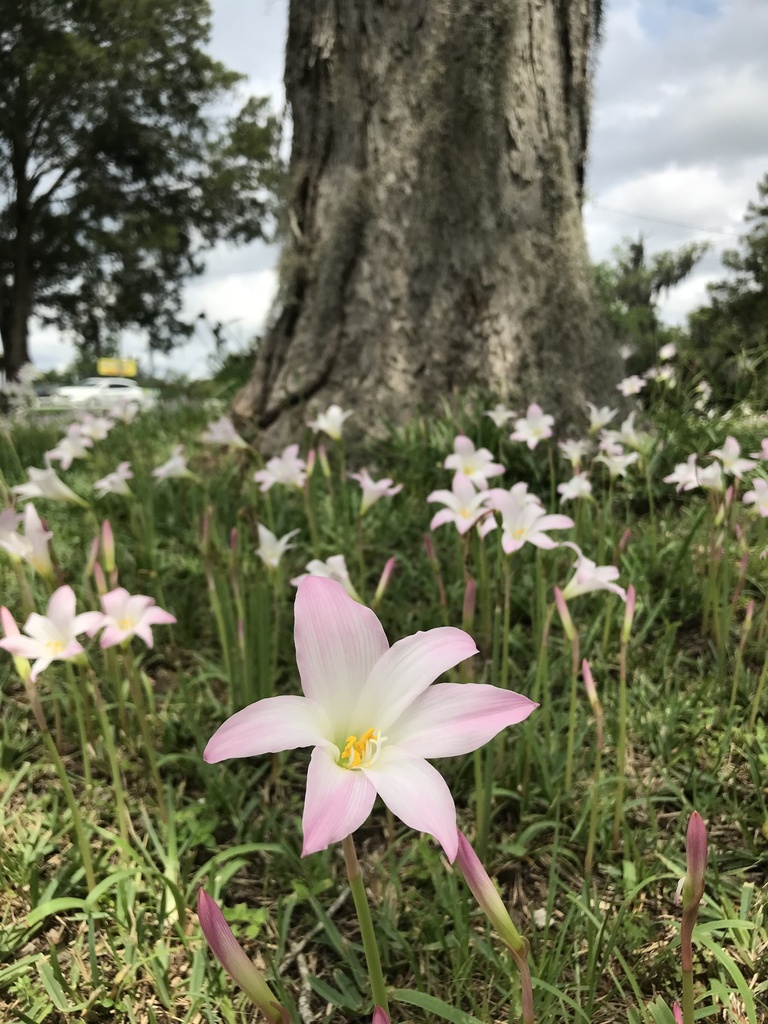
(73,445)
(333,568)
(463,504)
(632,385)
(222,431)
(53,637)
(175,467)
(95,427)
(711,477)
(36,539)
(729,455)
(599,418)
(577,487)
(758,496)
(127,615)
(287,469)
(374,489)
(617,464)
(115,482)
(667,352)
(11,540)
(270,549)
(588,577)
(574,450)
(500,414)
(685,476)
(535,426)
(44,483)
(475,463)
(330,422)
(762,455)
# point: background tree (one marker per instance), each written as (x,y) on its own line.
(434,231)
(729,336)
(114,178)
(631,286)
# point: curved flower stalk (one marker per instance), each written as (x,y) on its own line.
(373,717)
(475,463)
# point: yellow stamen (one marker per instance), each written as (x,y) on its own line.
(361,752)
(55,646)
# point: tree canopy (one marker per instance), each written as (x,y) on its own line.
(114,174)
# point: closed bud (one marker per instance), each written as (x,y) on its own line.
(565,615)
(108,546)
(629,614)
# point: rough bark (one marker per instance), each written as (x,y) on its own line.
(436,240)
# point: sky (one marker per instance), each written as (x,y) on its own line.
(679,141)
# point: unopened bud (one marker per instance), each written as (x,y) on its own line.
(565,615)
(101,583)
(311,459)
(625,539)
(487,895)
(692,888)
(108,546)
(589,682)
(324,463)
(629,614)
(386,575)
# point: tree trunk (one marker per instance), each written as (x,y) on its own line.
(436,175)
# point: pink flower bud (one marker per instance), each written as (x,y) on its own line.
(93,554)
(589,682)
(677,1013)
(565,615)
(234,959)
(108,546)
(311,459)
(233,540)
(380,1016)
(429,547)
(101,583)
(629,614)
(386,575)
(625,539)
(696,857)
(487,895)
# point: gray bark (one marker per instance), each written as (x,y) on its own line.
(436,240)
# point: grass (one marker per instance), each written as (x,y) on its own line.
(604,944)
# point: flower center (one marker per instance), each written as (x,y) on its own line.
(54,646)
(363,752)
(125,623)
(519,533)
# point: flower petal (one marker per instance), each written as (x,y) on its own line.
(268,726)
(61,608)
(337,802)
(418,795)
(455,718)
(338,641)
(408,668)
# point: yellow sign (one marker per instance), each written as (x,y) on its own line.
(116,367)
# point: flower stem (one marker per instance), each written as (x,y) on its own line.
(621,746)
(572,711)
(74,810)
(357,888)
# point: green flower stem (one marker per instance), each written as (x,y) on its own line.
(526,985)
(310,514)
(687,997)
(109,742)
(621,746)
(572,704)
(589,857)
(74,810)
(357,887)
(83,726)
(137,695)
(758,696)
(505,626)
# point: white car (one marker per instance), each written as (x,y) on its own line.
(104,394)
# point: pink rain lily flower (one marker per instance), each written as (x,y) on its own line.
(126,615)
(599,418)
(525,521)
(711,477)
(115,482)
(287,469)
(463,505)
(500,414)
(44,483)
(667,352)
(374,489)
(333,568)
(330,422)
(373,717)
(535,426)
(758,496)
(10,540)
(36,539)
(588,577)
(175,467)
(52,637)
(631,385)
(475,463)
(729,456)
(270,549)
(577,487)
(222,431)
(763,453)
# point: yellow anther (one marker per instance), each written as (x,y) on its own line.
(357,751)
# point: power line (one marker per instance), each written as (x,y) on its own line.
(661,220)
